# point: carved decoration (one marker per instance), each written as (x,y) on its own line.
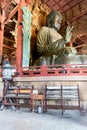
(27,16)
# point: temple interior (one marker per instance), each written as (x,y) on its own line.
(44,69)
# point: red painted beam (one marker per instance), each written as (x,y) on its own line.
(0,18)
(28,1)
(20,35)
(81,45)
(7,5)
(56,70)
(1,32)
(17,1)
(12,41)
(11,14)
(1,42)
(9,47)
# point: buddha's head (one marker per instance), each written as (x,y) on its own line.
(54,19)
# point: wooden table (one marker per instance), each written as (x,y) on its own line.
(37,98)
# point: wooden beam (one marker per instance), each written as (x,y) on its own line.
(11,14)
(7,4)
(1,42)
(0,18)
(9,47)
(78,16)
(1,32)
(17,1)
(80,45)
(68,3)
(28,1)
(12,41)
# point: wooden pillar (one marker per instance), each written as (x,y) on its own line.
(19,36)
(1,41)
(1,32)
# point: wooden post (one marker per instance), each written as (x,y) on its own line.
(1,41)
(19,35)
(1,32)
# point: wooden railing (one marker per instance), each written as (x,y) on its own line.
(56,70)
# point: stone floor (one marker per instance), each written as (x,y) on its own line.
(52,120)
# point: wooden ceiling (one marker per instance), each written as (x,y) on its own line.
(64,5)
(70,9)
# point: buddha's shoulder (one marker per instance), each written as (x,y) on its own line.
(44,28)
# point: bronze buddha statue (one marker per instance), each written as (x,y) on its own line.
(51,45)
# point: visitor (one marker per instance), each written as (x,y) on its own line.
(6,77)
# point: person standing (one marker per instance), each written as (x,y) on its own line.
(6,77)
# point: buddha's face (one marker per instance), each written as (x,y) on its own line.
(53,20)
(57,22)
